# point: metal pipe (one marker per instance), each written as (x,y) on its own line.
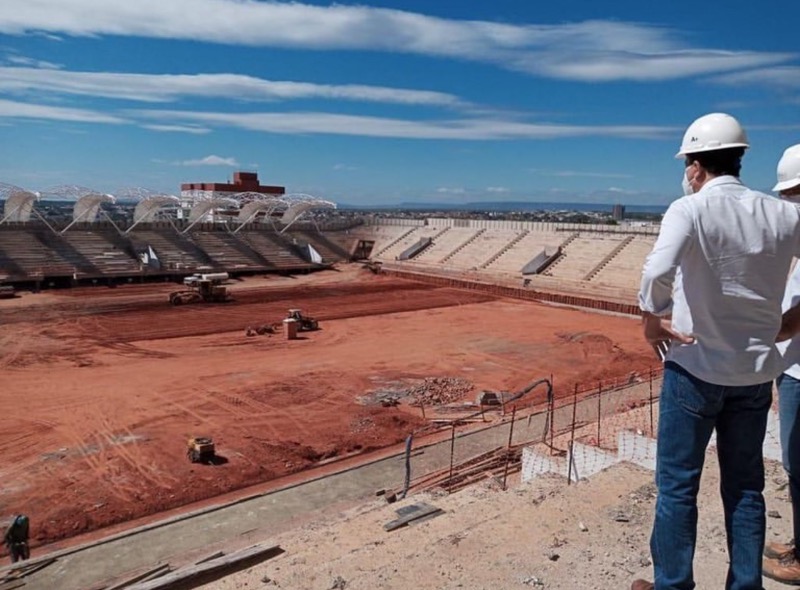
(572,435)
(508,447)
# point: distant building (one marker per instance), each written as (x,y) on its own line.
(243,182)
(618,212)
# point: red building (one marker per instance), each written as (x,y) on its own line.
(242,182)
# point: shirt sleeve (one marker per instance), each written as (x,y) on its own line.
(658,274)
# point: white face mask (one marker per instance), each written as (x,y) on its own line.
(686,184)
(791,198)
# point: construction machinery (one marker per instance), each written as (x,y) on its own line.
(202,288)
(200,449)
(304,322)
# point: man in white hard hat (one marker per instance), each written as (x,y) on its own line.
(718,270)
(782,561)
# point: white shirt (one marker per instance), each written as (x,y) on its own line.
(790,349)
(719,266)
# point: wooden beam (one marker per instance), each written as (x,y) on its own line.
(216,567)
(141,577)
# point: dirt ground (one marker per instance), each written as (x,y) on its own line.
(100,388)
(545,535)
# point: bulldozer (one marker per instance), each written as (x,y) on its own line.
(304,322)
(200,291)
(200,449)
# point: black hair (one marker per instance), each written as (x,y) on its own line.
(719,162)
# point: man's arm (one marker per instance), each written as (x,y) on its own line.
(658,274)
(790,324)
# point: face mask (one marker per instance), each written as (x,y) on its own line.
(686,185)
(792,198)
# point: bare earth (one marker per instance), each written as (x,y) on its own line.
(589,536)
(99,388)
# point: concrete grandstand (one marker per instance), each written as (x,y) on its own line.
(251,234)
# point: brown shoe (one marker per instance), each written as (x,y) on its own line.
(642,585)
(778,550)
(785,569)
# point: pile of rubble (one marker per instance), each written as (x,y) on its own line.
(437,391)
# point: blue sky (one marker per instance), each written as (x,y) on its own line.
(378,103)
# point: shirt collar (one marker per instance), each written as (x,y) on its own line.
(725,179)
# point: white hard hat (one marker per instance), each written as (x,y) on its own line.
(789,169)
(716,131)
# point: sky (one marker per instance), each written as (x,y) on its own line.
(391,102)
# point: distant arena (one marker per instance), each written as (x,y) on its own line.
(593,263)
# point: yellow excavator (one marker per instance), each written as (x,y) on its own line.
(201,449)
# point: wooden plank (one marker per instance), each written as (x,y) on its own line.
(140,577)
(409,514)
(22,569)
(178,578)
(216,555)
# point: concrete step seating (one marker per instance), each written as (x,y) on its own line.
(99,249)
(445,244)
(275,249)
(482,248)
(520,236)
(462,256)
(228,251)
(581,255)
(25,256)
(331,246)
(521,252)
(608,258)
(386,236)
(408,240)
(625,269)
(174,251)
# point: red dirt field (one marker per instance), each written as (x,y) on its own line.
(100,388)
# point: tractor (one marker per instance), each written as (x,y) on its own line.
(200,449)
(304,322)
(200,290)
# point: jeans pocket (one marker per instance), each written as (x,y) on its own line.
(699,397)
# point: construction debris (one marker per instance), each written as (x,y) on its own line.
(412,513)
(480,467)
(438,391)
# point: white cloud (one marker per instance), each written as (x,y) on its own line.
(786,77)
(19,110)
(454,129)
(165,88)
(497,189)
(451,190)
(344,167)
(210,161)
(178,129)
(590,50)
(21,60)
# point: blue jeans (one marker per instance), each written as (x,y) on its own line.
(689,411)
(788,412)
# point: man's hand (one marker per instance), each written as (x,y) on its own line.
(659,333)
(790,324)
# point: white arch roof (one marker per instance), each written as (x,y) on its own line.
(19,205)
(88,206)
(250,209)
(147,208)
(300,203)
(202,208)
